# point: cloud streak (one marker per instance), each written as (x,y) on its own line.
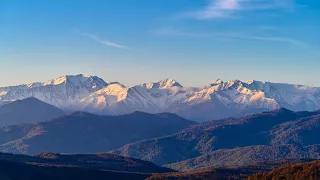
(220,8)
(280,39)
(97,39)
(105,42)
(176,32)
(229,8)
(235,36)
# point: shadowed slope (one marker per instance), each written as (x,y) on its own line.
(88,133)
(28,110)
(101,161)
(274,128)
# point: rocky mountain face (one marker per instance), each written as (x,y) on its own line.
(215,100)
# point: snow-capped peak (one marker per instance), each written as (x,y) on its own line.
(163,84)
(234,83)
(214,83)
(85,75)
(60,92)
(251,81)
(218,81)
(90,93)
(78,80)
(57,81)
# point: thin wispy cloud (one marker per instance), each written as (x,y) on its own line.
(220,8)
(236,36)
(309,48)
(99,40)
(290,41)
(105,42)
(230,8)
(213,9)
(167,31)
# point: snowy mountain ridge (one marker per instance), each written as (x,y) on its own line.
(215,100)
(60,92)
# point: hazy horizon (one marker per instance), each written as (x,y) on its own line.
(156,80)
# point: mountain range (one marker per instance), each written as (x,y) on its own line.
(81,132)
(215,100)
(167,139)
(229,142)
(239,123)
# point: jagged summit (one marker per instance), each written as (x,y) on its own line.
(224,84)
(77,79)
(218,81)
(163,84)
(217,100)
(255,82)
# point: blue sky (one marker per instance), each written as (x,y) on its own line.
(192,41)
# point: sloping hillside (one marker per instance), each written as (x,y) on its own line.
(279,127)
(88,133)
(247,155)
(30,110)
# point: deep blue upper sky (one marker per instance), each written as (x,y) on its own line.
(135,41)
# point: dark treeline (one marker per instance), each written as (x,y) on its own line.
(310,171)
